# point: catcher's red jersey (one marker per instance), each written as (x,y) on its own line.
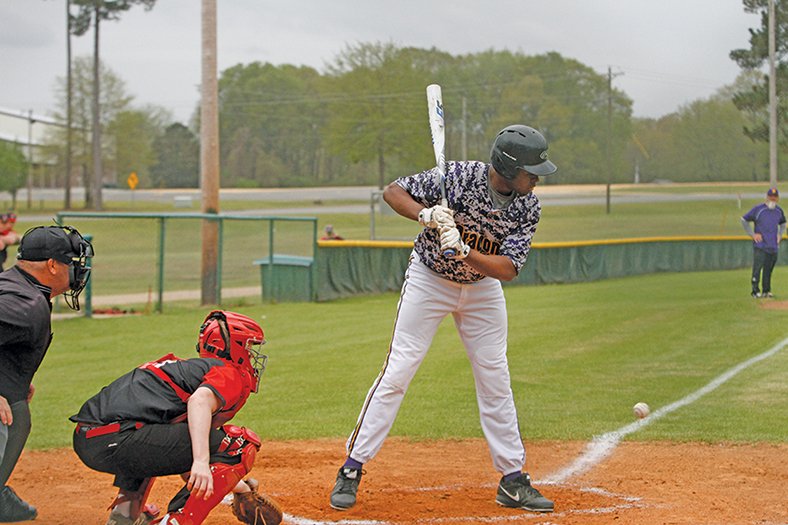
(156,392)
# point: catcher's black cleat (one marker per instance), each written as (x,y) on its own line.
(519,494)
(116,518)
(13,508)
(344,494)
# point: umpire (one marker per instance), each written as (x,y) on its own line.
(52,260)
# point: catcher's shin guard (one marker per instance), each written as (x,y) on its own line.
(241,442)
(225,477)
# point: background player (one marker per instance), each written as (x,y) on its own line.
(169,417)
(8,236)
(769,221)
(492,218)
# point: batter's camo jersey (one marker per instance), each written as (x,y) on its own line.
(506,232)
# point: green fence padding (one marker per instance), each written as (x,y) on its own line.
(364,268)
(346,271)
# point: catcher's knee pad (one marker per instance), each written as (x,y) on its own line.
(240,441)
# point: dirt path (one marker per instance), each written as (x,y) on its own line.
(452,482)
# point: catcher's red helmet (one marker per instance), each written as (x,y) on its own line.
(235,338)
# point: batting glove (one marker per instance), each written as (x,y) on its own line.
(451,240)
(437,217)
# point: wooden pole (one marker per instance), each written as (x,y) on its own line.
(209,154)
(772,99)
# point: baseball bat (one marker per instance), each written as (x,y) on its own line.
(437,129)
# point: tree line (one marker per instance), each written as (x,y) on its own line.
(362,120)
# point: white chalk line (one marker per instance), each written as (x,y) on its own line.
(298,520)
(602,446)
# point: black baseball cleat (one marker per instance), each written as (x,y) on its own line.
(344,494)
(519,494)
(13,508)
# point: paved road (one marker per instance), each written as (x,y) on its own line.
(125,300)
(322,198)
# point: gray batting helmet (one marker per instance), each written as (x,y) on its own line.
(520,147)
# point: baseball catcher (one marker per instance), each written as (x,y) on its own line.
(170,416)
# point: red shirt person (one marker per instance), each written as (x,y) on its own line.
(7,235)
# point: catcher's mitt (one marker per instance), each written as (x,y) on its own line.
(255,508)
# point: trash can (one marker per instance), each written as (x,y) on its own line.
(288,279)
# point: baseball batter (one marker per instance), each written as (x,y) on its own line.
(489,224)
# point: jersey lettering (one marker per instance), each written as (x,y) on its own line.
(479,243)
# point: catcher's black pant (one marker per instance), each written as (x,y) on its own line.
(762,263)
(13,438)
(135,454)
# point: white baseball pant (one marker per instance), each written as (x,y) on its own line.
(479,311)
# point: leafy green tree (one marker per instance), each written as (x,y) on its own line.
(114,100)
(177,152)
(96,11)
(565,100)
(703,141)
(270,119)
(753,99)
(378,111)
(132,134)
(13,169)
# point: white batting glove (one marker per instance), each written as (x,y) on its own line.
(438,216)
(451,240)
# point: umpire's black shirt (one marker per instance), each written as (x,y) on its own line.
(25,323)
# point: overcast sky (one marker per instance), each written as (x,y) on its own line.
(665,52)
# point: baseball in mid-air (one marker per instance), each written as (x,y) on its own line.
(641,410)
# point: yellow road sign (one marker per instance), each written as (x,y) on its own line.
(133,180)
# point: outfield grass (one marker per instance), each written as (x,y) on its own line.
(580,356)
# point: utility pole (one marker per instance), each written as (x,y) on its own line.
(209,154)
(30,159)
(607,139)
(772,99)
(464,147)
(98,168)
(69,94)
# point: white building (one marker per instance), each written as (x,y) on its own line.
(28,130)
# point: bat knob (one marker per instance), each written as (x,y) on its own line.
(449,253)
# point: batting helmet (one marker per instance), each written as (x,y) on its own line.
(520,147)
(236,338)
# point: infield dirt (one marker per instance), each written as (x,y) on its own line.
(452,482)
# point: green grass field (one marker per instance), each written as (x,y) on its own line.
(580,356)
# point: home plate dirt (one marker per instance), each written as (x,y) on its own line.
(452,482)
